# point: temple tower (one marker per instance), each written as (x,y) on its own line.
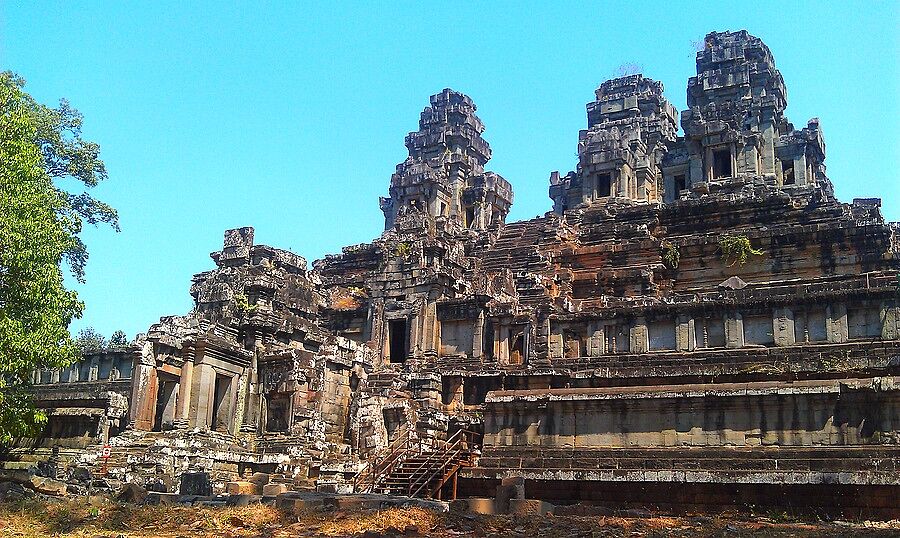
(444,176)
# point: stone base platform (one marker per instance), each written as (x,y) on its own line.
(836,481)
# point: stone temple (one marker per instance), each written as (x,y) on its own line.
(697,323)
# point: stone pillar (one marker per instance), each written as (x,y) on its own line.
(184,393)
(622,183)
(477,336)
(143,396)
(639,342)
(204,380)
(695,169)
(801,170)
(768,143)
(503,357)
(734,330)
(783,326)
(595,342)
(95,369)
(685,339)
(250,401)
(836,322)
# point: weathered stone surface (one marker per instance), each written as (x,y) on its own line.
(47,486)
(131,493)
(195,484)
(242,488)
(530,507)
(698,307)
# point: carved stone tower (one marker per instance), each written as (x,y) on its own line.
(444,175)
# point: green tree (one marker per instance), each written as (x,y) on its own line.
(118,339)
(89,339)
(39,226)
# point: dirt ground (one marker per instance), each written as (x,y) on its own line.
(79,519)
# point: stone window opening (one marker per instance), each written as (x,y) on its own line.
(517,347)
(443,210)
(787,172)
(397,341)
(616,339)
(661,335)
(721,165)
(393,419)
(470,216)
(456,337)
(604,185)
(278,407)
(571,344)
(864,322)
(810,325)
(680,184)
(759,330)
(475,388)
(450,389)
(709,332)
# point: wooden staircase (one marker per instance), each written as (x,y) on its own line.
(415,468)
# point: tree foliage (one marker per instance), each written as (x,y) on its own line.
(89,339)
(39,226)
(737,249)
(118,339)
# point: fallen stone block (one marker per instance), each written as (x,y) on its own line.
(509,488)
(132,493)
(299,501)
(241,488)
(242,500)
(478,505)
(80,474)
(530,507)
(155,497)
(260,479)
(353,502)
(273,490)
(11,491)
(195,484)
(47,486)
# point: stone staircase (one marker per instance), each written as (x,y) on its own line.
(414,468)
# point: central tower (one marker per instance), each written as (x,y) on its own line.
(444,176)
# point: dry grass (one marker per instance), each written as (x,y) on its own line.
(78,519)
(380,520)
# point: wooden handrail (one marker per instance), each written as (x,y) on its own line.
(440,461)
(450,450)
(392,452)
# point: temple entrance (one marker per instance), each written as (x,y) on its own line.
(166,391)
(221,411)
(397,334)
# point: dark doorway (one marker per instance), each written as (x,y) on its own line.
(165,403)
(517,346)
(604,185)
(787,172)
(397,334)
(721,163)
(221,408)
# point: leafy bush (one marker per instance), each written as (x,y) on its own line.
(736,249)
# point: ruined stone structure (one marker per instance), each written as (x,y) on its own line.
(698,321)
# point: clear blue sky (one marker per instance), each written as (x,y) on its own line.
(291,118)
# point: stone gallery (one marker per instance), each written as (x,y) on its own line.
(697,323)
